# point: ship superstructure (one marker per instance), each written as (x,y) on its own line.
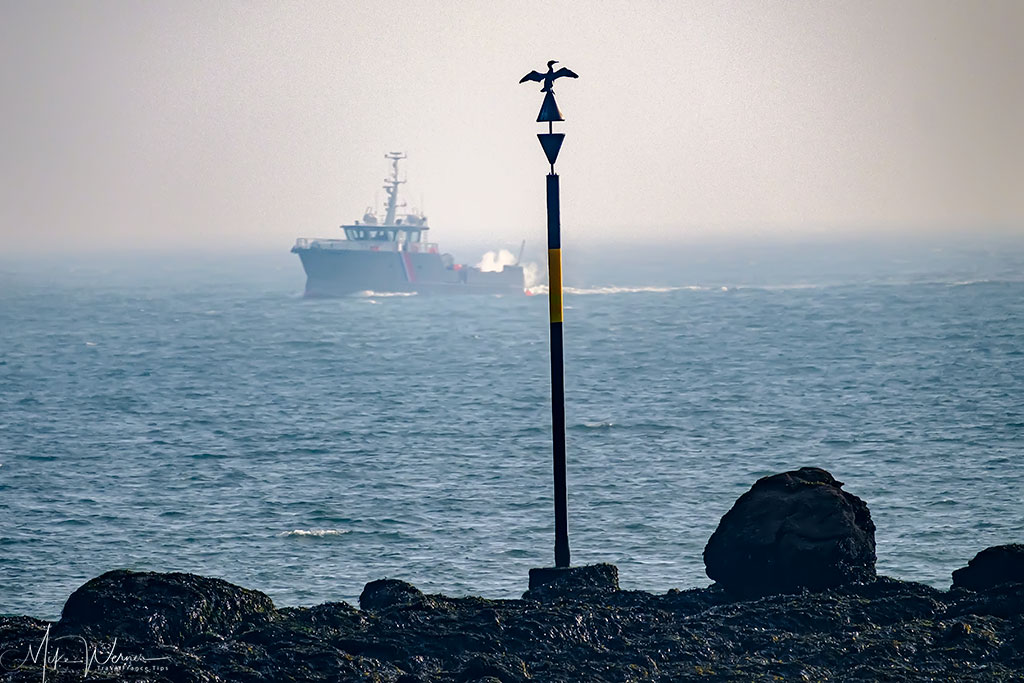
(390,253)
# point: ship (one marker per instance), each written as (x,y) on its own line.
(391,254)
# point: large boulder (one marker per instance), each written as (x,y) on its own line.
(160,608)
(792,531)
(384,594)
(1000,564)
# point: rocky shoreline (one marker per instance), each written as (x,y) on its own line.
(796,598)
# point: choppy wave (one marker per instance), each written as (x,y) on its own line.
(257,445)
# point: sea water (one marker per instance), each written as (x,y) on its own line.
(197,414)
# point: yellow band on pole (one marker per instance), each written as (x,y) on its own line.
(555,284)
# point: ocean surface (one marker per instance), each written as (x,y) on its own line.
(195,413)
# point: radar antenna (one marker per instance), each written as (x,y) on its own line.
(391,188)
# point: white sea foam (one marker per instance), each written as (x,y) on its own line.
(369,293)
(494,261)
(531,274)
(591,291)
(314,533)
(985,281)
(784,287)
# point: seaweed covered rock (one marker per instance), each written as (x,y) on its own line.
(884,629)
(386,593)
(1001,564)
(792,531)
(552,583)
(160,608)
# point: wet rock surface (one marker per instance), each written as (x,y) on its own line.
(792,531)
(162,608)
(386,593)
(882,629)
(559,583)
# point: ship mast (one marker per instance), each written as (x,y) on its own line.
(392,187)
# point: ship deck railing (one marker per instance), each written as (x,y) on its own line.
(366,245)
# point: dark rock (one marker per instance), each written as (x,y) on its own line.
(808,557)
(879,630)
(336,617)
(159,608)
(503,668)
(992,567)
(387,593)
(1005,600)
(548,583)
(792,531)
(887,601)
(18,637)
(20,628)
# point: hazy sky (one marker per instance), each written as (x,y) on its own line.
(195,123)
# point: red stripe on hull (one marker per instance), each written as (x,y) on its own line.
(410,272)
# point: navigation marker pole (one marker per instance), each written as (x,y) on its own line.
(551,142)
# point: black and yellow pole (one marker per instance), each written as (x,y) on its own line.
(557,373)
(552,143)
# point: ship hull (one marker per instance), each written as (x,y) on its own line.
(342,272)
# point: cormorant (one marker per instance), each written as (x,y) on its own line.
(549,77)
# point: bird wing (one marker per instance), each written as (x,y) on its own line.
(564,72)
(533,76)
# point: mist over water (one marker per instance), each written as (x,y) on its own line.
(194,413)
(175,124)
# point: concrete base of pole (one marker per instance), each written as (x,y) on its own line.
(563,581)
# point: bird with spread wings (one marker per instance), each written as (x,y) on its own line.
(549,78)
